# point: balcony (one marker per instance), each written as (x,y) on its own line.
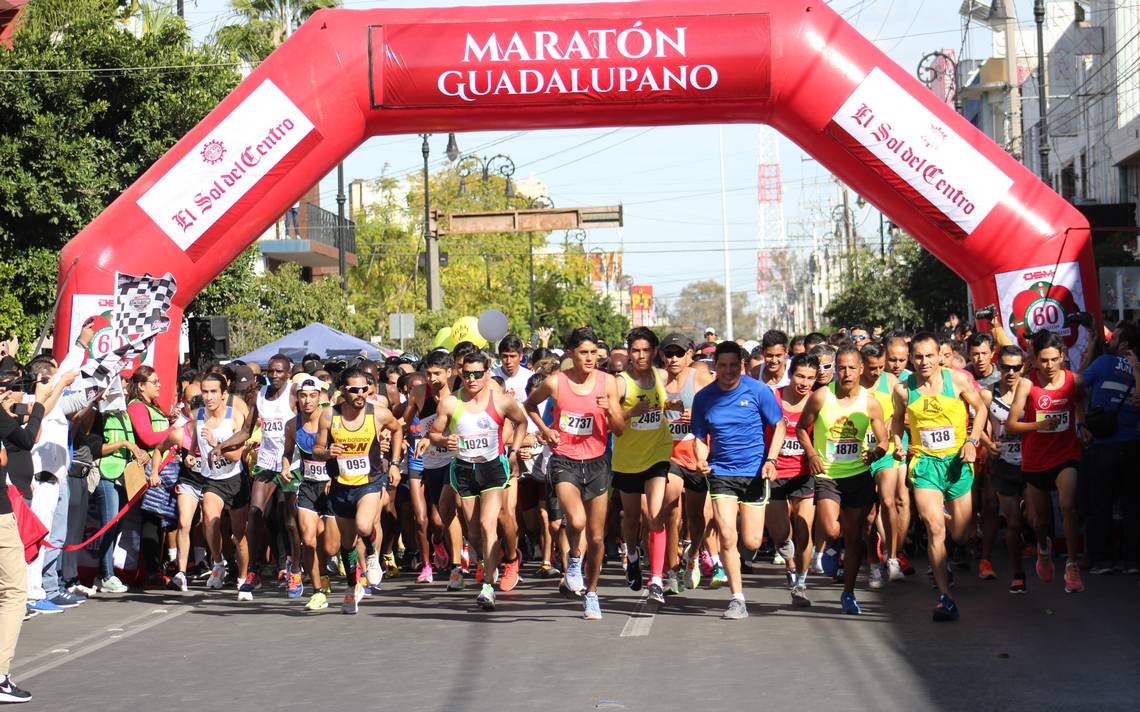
(310,240)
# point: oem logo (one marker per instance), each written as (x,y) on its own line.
(213,152)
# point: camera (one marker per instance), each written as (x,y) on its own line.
(1079,319)
(987,313)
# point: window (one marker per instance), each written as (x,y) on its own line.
(1128,53)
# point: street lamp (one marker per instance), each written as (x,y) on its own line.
(500,164)
(431,242)
(539,202)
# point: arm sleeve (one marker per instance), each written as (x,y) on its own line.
(146,435)
(22,437)
(73,402)
(698,423)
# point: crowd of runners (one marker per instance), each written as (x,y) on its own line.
(684,463)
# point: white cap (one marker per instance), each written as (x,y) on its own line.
(312,383)
(749,345)
(710,330)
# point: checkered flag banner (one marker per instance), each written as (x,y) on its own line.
(139,315)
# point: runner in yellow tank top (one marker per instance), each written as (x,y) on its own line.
(885,470)
(934,399)
(641,462)
(840,415)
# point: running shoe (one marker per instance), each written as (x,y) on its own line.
(1102,568)
(439,557)
(391,570)
(986,570)
(1018,584)
(245,590)
(317,602)
(574,581)
(455,579)
(904,564)
(426,574)
(591,608)
(217,579)
(1044,567)
(849,604)
(178,582)
(352,600)
(510,577)
(1130,570)
(673,583)
(719,577)
(479,572)
(946,610)
(88,591)
(816,566)
(112,584)
(10,694)
(778,560)
(155,582)
(200,571)
(693,576)
(486,597)
(656,593)
(894,570)
(1073,583)
(372,568)
(43,606)
(296,587)
(799,597)
(706,563)
(547,571)
(633,574)
(876,581)
(64,599)
(737,609)
(326,586)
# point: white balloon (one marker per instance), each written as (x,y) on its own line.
(493,325)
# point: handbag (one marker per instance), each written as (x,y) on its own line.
(1103,422)
(134,478)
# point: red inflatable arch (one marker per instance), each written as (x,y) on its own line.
(347,75)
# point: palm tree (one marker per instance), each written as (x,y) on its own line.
(264,24)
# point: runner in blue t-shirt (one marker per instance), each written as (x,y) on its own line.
(729,418)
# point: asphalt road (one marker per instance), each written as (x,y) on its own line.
(415,647)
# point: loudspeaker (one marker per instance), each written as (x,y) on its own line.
(209,339)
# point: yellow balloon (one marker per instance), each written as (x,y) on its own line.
(466,328)
(443,339)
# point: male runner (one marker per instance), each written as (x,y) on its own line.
(897,348)
(682,382)
(319,537)
(885,470)
(733,415)
(933,400)
(349,437)
(980,354)
(833,432)
(774,345)
(586,410)
(222,485)
(1005,457)
(515,377)
(825,354)
(1052,402)
(641,457)
(792,509)
(470,424)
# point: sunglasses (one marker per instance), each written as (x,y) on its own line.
(858,338)
(473,375)
(1010,367)
(826,366)
(673,354)
(357,389)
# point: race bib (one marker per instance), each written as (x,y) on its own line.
(1061,415)
(679,430)
(648,421)
(474,444)
(936,438)
(792,447)
(871,441)
(1011,451)
(274,426)
(843,450)
(575,424)
(313,470)
(353,466)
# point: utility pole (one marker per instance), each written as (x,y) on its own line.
(724,227)
(1015,143)
(434,290)
(341,227)
(1042,87)
(180,8)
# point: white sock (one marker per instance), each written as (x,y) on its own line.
(172,554)
(716,559)
(199,554)
(739,596)
(655,579)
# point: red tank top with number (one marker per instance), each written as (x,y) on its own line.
(1042,450)
(580,422)
(791,461)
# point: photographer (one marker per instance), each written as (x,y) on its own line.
(1113,418)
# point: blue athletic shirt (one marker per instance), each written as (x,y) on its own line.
(1107,380)
(736,421)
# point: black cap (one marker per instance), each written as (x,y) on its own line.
(676,339)
(243,378)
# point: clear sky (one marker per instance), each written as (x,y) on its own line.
(668,178)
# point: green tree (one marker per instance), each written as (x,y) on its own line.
(701,305)
(264,24)
(87,106)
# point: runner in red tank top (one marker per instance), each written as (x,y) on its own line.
(791,509)
(1052,434)
(586,409)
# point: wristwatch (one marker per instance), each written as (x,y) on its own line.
(972,441)
(770,459)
